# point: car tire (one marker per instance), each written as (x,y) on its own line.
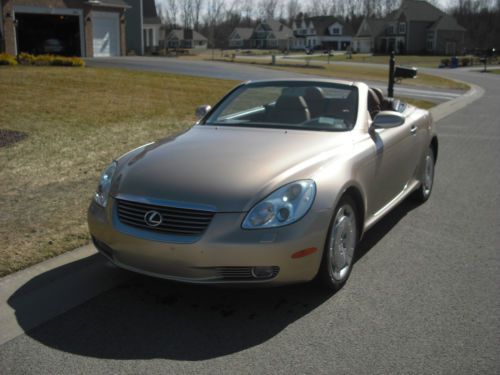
(424,191)
(340,245)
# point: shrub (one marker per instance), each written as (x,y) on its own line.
(445,62)
(6,59)
(465,61)
(45,60)
(25,58)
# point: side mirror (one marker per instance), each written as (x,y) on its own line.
(388,119)
(202,110)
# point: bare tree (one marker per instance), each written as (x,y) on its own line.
(267,8)
(214,16)
(293,9)
(197,4)
(169,10)
(187,14)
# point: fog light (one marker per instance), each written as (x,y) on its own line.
(262,272)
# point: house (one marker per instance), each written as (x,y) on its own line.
(416,27)
(143,27)
(151,26)
(272,34)
(322,32)
(365,39)
(240,37)
(88,28)
(180,38)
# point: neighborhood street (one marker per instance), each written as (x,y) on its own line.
(423,297)
(244,72)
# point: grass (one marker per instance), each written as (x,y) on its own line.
(350,72)
(412,60)
(494,71)
(421,103)
(77,120)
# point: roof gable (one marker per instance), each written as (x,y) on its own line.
(446,22)
(417,10)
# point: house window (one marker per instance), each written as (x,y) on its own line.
(402,28)
(335,31)
(390,29)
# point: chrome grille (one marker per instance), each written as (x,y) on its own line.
(179,221)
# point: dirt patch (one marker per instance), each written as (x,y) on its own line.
(9,137)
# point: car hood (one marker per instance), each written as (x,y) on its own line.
(227,169)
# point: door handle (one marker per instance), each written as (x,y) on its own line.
(413,130)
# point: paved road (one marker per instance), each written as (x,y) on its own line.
(241,72)
(423,297)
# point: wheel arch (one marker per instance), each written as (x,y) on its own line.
(434,146)
(355,194)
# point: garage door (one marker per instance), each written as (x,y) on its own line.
(364,46)
(48,34)
(105,33)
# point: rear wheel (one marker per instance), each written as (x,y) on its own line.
(338,255)
(427,178)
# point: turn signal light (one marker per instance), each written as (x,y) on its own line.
(303,253)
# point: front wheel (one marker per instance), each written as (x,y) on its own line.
(427,178)
(341,242)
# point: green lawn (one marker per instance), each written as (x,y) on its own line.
(412,60)
(78,120)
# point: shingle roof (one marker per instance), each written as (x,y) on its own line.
(179,34)
(280,31)
(447,22)
(322,23)
(149,12)
(375,27)
(417,10)
(244,32)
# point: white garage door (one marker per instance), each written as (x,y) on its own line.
(365,46)
(105,33)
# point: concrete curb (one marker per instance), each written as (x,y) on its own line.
(447,108)
(55,286)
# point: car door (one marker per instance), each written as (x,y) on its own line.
(392,163)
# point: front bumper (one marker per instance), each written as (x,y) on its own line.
(223,246)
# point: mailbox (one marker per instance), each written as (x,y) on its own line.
(405,72)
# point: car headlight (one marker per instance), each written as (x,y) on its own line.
(285,206)
(102,192)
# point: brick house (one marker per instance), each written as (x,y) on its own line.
(88,28)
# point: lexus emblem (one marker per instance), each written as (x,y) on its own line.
(153,218)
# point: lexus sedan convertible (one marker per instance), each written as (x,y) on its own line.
(275,184)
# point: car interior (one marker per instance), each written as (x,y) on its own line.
(304,106)
(311,107)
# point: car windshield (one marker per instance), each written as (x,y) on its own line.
(291,105)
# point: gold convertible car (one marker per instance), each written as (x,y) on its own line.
(275,184)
